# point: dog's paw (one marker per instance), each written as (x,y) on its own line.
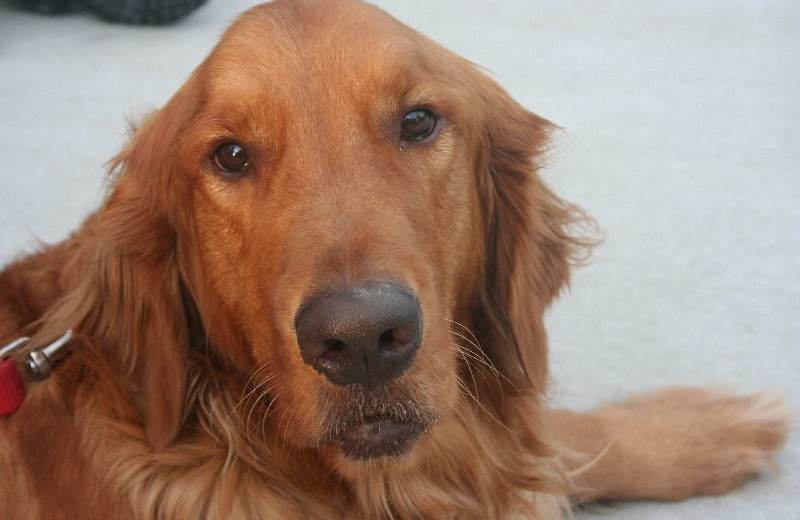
(708,441)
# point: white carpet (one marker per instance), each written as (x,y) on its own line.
(681,136)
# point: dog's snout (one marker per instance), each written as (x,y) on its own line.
(365,335)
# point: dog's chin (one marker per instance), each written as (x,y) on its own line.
(379,437)
(382,424)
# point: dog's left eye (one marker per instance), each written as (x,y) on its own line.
(418,124)
(231,158)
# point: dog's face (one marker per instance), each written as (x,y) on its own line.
(336,211)
(351,211)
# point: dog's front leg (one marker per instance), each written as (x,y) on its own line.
(673,444)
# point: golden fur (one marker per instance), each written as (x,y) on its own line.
(185,395)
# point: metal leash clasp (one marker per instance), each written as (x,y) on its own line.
(39,362)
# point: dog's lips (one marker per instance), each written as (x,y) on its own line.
(379,437)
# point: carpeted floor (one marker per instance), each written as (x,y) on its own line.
(681,135)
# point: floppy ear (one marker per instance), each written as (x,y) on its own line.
(529,245)
(140,317)
(142,278)
(125,297)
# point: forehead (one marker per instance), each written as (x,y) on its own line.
(306,51)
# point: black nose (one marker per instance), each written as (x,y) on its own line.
(366,335)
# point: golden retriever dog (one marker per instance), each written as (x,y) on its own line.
(315,291)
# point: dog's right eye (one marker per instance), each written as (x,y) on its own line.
(418,124)
(231,158)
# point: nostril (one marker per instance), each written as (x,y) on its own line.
(387,339)
(334,351)
(392,339)
(334,345)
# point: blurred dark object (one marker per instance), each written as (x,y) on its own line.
(131,12)
(142,12)
(46,6)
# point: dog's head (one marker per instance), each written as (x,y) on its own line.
(352,217)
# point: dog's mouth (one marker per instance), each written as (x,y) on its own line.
(368,424)
(379,436)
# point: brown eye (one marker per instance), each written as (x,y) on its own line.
(231,158)
(417,124)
